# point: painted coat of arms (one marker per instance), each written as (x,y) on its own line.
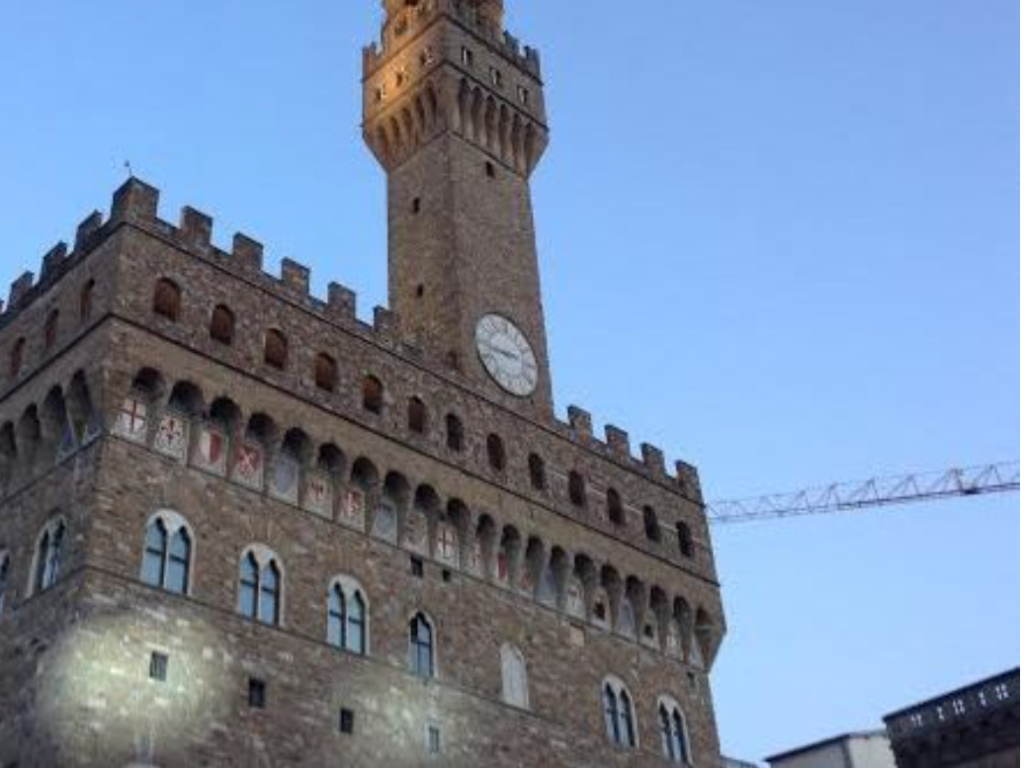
(172,436)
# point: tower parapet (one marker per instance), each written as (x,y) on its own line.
(429,77)
(405,20)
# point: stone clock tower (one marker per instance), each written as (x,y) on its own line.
(454,111)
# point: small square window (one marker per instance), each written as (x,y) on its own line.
(257,694)
(416,566)
(446,576)
(491,170)
(347,722)
(158,663)
(434,744)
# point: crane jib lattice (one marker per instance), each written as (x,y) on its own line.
(875,492)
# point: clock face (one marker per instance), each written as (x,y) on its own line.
(507,355)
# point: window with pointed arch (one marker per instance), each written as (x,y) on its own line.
(49,555)
(261,584)
(5,572)
(421,646)
(675,743)
(167,556)
(619,715)
(347,617)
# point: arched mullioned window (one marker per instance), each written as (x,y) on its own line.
(167,557)
(454,433)
(5,572)
(275,349)
(418,417)
(222,325)
(16,359)
(50,330)
(538,472)
(85,301)
(496,452)
(652,526)
(167,299)
(675,743)
(347,617)
(421,646)
(619,717)
(49,555)
(373,395)
(325,372)
(260,587)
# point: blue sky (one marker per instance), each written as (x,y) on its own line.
(779,238)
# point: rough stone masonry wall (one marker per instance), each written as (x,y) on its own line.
(96,706)
(83,696)
(205,285)
(309,682)
(73,658)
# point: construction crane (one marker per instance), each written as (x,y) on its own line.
(874,492)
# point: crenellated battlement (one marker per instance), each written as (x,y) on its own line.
(405,21)
(136,203)
(616,447)
(53,266)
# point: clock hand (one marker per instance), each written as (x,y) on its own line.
(503,352)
